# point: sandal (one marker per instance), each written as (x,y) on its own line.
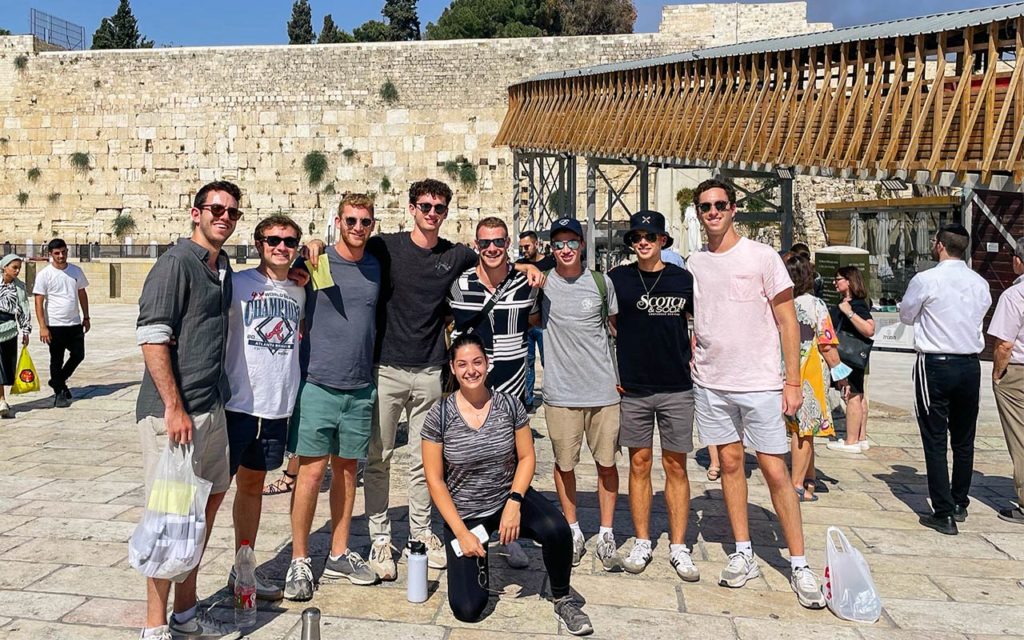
(284,484)
(803,496)
(714,473)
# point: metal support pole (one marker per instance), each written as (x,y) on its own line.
(967,220)
(591,212)
(644,186)
(786,207)
(517,195)
(571,186)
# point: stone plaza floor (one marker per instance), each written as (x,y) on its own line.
(71,490)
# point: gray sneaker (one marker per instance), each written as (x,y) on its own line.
(639,557)
(351,566)
(298,583)
(204,626)
(607,553)
(807,588)
(738,571)
(578,549)
(163,633)
(516,558)
(569,613)
(382,559)
(682,562)
(265,589)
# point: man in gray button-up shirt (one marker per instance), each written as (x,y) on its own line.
(182,327)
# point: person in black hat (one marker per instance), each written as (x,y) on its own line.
(653,348)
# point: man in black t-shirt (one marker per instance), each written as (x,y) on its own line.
(529,249)
(653,349)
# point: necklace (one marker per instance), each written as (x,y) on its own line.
(644,284)
(478,414)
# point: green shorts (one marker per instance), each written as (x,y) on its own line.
(332,422)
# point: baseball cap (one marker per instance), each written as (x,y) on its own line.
(651,221)
(566,224)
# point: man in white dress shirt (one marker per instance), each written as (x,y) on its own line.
(946,306)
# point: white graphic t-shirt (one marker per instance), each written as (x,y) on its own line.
(61,286)
(262,360)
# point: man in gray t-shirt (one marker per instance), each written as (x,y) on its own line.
(580,394)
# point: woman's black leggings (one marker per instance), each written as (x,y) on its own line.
(468,578)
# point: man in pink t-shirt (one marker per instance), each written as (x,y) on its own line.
(746,376)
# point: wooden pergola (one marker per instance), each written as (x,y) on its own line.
(932,100)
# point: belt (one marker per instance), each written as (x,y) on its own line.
(944,357)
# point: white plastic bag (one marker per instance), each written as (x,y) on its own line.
(849,590)
(169,540)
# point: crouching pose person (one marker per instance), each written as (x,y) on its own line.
(478,460)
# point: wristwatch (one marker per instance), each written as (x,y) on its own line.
(516,497)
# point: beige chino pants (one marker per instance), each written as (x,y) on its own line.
(1009,392)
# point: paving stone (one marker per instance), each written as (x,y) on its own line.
(711,599)
(39,606)
(958,617)
(112,613)
(81,552)
(75,529)
(527,615)
(18,575)
(30,629)
(1009,543)
(623,622)
(830,628)
(14,486)
(57,470)
(333,628)
(102,582)
(629,591)
(933,544)
(80,491)
(86,510)
(981,590)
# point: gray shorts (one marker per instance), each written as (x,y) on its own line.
(673,413)
(210,455)
(751,417)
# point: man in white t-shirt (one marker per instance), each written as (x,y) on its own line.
(744,319)
(59,290)
(262,367)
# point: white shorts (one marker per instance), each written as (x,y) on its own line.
(752,417)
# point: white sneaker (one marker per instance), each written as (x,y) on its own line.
(516,558)
(382,559)
(5,409)
(864,445)
(839,445)
(159,633)
(807,588)
(578,549)
(683,564)
(639,557)
(740,569)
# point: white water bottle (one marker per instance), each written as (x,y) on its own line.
(416,590)
(245,587)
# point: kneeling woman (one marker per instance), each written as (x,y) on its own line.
(478,460)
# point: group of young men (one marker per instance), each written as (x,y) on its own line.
(325,360)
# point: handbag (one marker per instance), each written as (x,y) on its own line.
(853,350)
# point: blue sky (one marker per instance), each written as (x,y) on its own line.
(232,22)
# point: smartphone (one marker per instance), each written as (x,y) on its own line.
(481,534)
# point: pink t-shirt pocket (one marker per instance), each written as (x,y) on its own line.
(744,288)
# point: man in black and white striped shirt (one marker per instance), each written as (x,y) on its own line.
(503,327)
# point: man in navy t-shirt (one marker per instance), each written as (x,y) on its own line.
(653,349)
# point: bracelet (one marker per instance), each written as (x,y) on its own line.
(790,384)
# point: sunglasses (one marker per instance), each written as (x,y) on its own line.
(218,210)
(720,205)
(425,207)
(562,244)
(291,241)
(501,243)
(352,221)
(636,236)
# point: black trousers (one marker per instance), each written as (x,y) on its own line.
(468,578)
(72,340)
(946,389)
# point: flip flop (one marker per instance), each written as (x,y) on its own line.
(714,473)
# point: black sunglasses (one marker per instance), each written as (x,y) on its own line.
(218,210)
(352,221)
(425,207)
(720,205)
(501,243)
(291,241)
(636,236)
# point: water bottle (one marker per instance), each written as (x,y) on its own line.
(416,590)
(245,587)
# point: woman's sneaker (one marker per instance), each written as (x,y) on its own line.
(437,557)
(807,588)
(298,583)
(5,409)
(352,567)
(382,559)
(740,569)
(839,445)
(639,557)
(569,613)
(683,564)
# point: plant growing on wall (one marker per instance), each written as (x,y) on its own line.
(53,198)
(451,167)
(684,197)
(34,173)
(80,161)
(20,62)
(22,198)
(389,92)
(348,153)
(122,225)
(462,170)
(329,189)
(385,184)
(315,166)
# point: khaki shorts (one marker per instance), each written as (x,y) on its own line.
(567,425)
(210,456)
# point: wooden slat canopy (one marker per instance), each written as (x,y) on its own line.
(944,106)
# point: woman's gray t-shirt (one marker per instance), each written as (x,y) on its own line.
(479,465)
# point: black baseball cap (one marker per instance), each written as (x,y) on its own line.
(566,224)
(651,221)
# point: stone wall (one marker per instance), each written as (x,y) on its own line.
(729,23)
(158,123)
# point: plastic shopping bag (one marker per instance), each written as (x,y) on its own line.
(849,590)
(26,381)
(169,540)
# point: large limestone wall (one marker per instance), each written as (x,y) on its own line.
(158,123)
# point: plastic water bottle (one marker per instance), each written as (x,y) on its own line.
(416,591)
(245,587)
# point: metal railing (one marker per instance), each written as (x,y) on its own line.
(96,251)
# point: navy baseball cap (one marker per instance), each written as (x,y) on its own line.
(647,221)
(566,224)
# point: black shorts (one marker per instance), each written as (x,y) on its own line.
(8,361)
(855,379)
(256,443)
